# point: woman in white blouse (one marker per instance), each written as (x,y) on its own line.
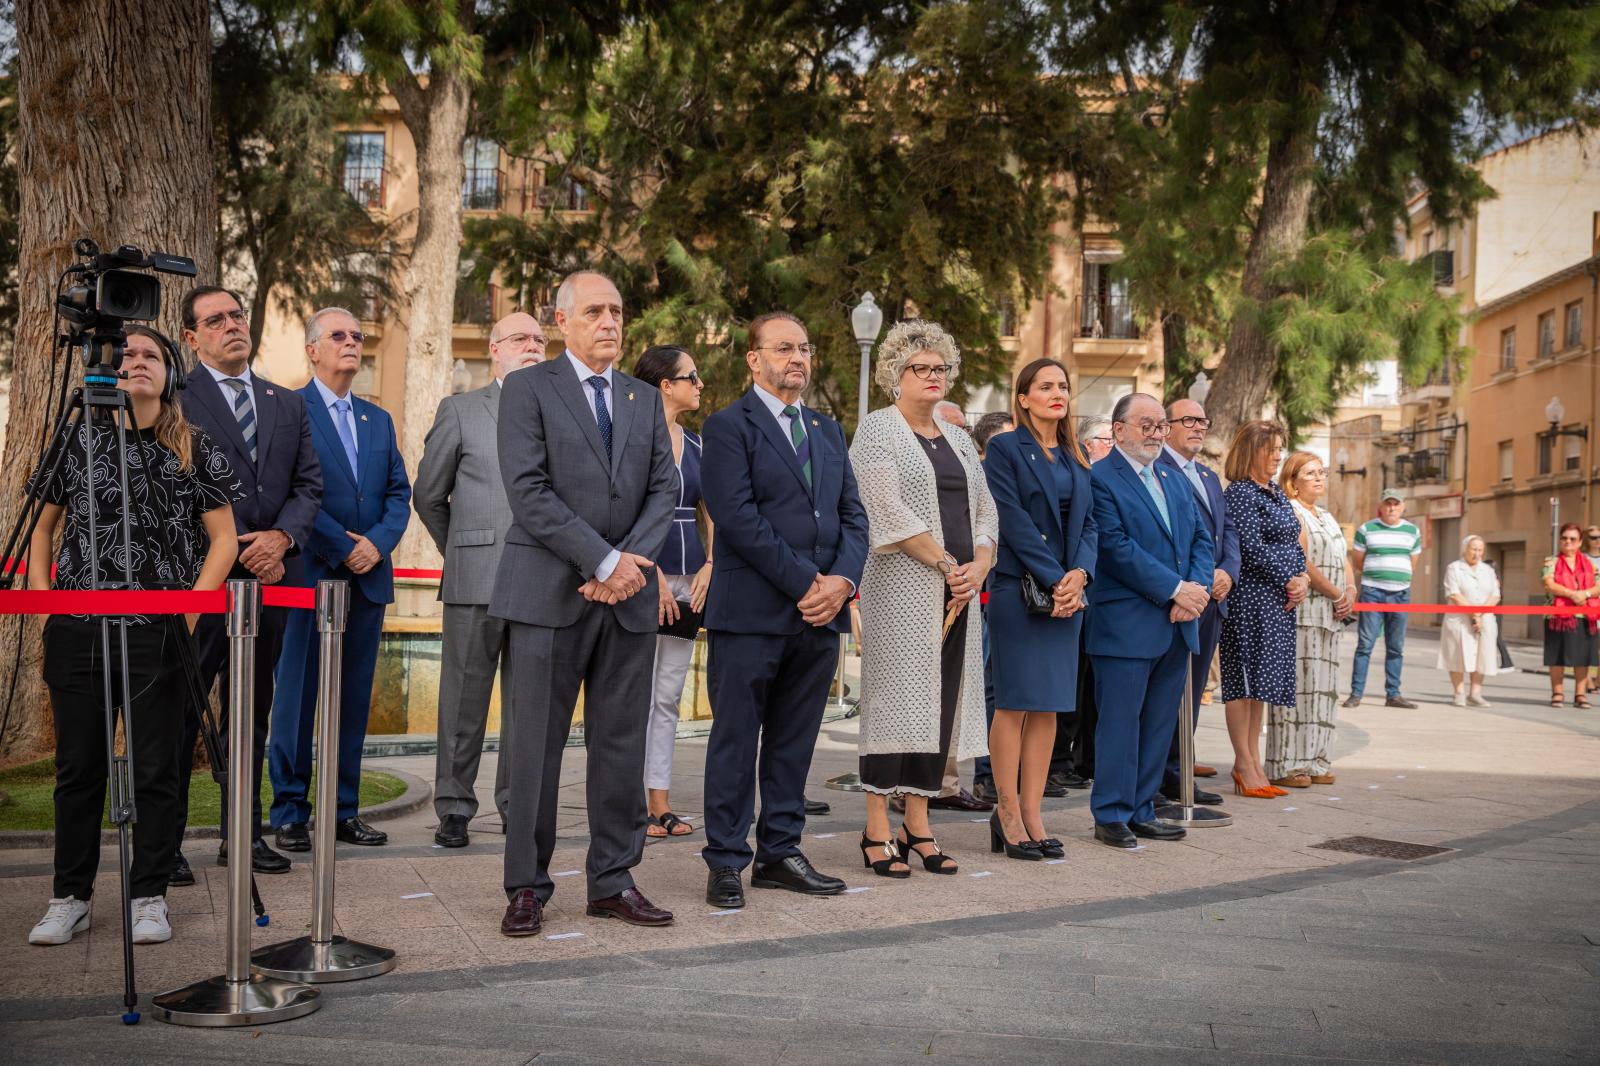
(1467,646)
(933,529)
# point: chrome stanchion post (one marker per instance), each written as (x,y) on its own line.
(324,956)
(1186,814)
(238,997)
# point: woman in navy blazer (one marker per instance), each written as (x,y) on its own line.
(1039,477)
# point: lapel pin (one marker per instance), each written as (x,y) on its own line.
(1032,456)
(363,418)
(630,395)
(269,392)
(814,422)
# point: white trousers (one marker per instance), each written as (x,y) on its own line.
(672,668)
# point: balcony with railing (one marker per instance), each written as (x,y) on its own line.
(1439,384)
(1444,267)
(474,305)
(1427,466)
(1107,317)
(480,189)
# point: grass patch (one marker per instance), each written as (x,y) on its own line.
(30,790)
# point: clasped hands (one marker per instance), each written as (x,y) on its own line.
(627,578)
(1067,595)
(261,552)
(363,557)
(1296,590)
(825,599)
(1189,602)
(965,582)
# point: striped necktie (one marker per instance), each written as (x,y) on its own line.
(244,409)
(801,442)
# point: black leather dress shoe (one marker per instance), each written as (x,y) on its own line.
(984,790)
(263,860)
(1401,702)
(961,801)
(1157,831)
(1058,783)
(724,889)
(797,875)
(631,906)
(1201,796)
(355,831)
(524,914)
(181,874)
(294,836)
(817,807)
(1117,834)
(452,831)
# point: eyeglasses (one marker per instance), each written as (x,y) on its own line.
(1104,440)
(691,376)
(219,319)
(1570,536)
(929,370)
(1151,429)
(338,335)
(517,339)
(1191,421)
(788,351)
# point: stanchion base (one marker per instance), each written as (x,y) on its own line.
(1181,817)
(303,959)
(217,1002)
(850,782)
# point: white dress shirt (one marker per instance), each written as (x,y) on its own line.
(776,405)
(1139,467)
(1191,471)
(613,557)
(227,393)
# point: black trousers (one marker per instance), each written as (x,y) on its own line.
(211,634)
(74,670)
(1087,720)
(767,698)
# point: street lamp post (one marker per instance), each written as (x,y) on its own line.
(1200,389)
(866,319)
(1555,412)
(1344,457)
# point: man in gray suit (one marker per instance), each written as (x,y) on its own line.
(588,470)
(461,499)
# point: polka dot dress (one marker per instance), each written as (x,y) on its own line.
(1258,636)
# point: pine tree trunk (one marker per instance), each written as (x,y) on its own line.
(437,118)
(113,142)
(1250,362)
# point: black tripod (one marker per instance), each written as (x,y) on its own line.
(99,398)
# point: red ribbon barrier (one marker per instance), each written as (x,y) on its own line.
(157,601)
(412,573)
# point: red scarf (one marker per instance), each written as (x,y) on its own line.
(1577,574)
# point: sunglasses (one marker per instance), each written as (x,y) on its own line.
(339,335)
(691,376)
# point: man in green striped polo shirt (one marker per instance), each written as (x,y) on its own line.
(1382,553)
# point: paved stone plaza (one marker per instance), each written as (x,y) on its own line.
(1244,944)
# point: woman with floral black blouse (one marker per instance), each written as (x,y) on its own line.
(180,490)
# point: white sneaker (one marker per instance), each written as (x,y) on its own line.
(63,919)
(1478,701)
(150,925)
(1458,700)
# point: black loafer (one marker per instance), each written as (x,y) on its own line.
(452,831)
(1157,831)
(1201,796)
(724,889)
(1116,834)
(817,807)
(294,836)
(355,831)
(796,875)
(263,860)
(181,874)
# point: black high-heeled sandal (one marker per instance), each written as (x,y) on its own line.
(882,866)
(997,842)
(937,863)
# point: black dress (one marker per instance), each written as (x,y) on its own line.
(922,772)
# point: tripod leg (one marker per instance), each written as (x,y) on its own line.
(120,797)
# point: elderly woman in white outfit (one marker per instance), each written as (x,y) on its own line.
(1467,644)
(933,529)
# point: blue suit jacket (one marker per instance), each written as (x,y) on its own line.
(1218,522)
(1141,562)
(773,535)
(1024,489)
(375,501)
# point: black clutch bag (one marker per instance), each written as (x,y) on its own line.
(687,627)
(1035,600)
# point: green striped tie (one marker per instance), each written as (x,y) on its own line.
(797,436)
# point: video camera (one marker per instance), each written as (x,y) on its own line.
(110,290)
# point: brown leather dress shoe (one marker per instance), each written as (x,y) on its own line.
(524,914)
(1202,770)
(631,906)
(961,801)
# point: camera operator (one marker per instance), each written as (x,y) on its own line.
(181,488)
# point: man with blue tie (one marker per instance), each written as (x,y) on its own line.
(791,543)
(1181,452)
(1152,583)
(366,503)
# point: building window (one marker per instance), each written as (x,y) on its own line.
(480,187)
(1508,348)
(474,299)
(1573,455)
(1008,317)
(1507,458)
(361,167)
(573,196)
(1547,335)
(1547,451)
(1574,326)
(1105,309)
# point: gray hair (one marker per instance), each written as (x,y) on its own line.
(567,293)
(950,405)
(1091,427)
(905,340)
(1119,413)
(314,323)
(1466,542)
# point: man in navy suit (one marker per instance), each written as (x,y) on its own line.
(366,503)
(1152,583)
(264,431)
(791,543)
(1181,453)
